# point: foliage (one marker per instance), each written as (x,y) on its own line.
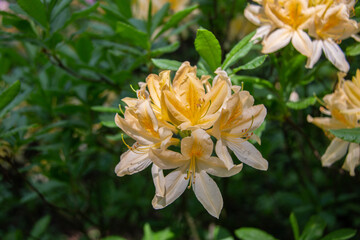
(66,64)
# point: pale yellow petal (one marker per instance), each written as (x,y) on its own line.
(335,55)
(208,193)
(159,180)
(316,53)
(223,154)
(247,153)
(302,42)
(175,185)
(132,162)
(336,150)
(216,167)
(277,40)
(167,159)
(352,159)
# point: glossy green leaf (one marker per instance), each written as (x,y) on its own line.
(254,80)
(253,234)
(166,64)
(208,48)
(294,226)
(35,9)
(40,227)
(314,228)
(132,34)
(349,135)
(160,235)
(256,62)
(238,51)
(166,49)
(353,50)
(302,104)
(341,234)
(9,94)
(175,19)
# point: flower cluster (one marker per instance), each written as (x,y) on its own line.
(188,115)
(326,21)
(343,107)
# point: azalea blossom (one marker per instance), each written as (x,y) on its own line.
(193,165)
(331,24)
(185,112)
(326,21)
(343,112)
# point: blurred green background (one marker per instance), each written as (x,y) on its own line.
(76,60)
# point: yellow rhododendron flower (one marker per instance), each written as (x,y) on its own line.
(185,112)
(344,112)
(327,21)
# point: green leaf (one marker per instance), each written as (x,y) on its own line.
(82,13)
(16,130)
(314,228)
(294,226)
(302,104)
(249,79)
(133,35)
(349,135)
(353,50)
(253,234)
(166,64)
(105,109)
(109,124)
(84,49)
(113,238)
(159,16)
(40,227)
(341,234)
(35,9)
(175,19)
(238,51)
(208,48)
(256,62)
(9,94)
(167,49)
(160,235)
(220,233)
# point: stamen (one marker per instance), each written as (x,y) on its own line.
(132,88)
(127,145)
(191,172)
(120,109)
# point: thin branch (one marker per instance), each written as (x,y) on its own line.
(57,62)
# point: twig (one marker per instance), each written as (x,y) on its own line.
(56,61)
(191,223)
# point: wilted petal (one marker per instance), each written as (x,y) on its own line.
(335,55)
(316,53)
(352,159)
(336,150)
(216,167)
(208,193)
(302,42)
(247,153)
(132,162)
(175,185)
(276,40)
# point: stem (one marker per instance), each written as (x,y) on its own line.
(57,62)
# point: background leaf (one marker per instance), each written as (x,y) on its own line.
(253,234)
(208,48)
(9,94)
(349,135)
(35,9)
